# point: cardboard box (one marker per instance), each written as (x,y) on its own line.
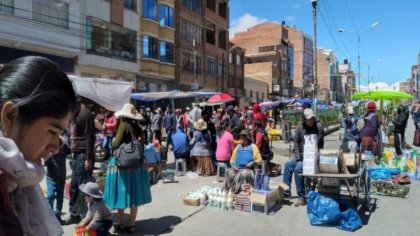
(349,159)
(264,201)
(329,161)
(191,202)
(311,170)
(243,202)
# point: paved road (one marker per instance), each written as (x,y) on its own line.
(167,215)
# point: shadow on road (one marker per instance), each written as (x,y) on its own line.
(157,226)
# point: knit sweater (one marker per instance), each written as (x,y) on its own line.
(241,156)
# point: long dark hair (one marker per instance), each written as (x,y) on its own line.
(38,87)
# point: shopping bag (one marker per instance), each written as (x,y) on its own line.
(350,220)
(385,139)
(322,210)
(82,232)
(416,140)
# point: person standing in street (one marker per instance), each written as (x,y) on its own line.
(83,154)
(400,125)
(308,126)
(185,119)
(193,117)
(110,129)
(169,125)
(370,133)
(235,122)
(352,134)
(157,125)
(416,115)
(149,117)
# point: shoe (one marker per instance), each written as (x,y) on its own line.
(116,229)
(300,202)
(71,220)
(130,229)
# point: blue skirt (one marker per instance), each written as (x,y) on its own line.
(126,188)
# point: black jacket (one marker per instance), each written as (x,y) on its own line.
(401,121)
(299,140)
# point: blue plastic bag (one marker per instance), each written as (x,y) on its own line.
(322,210)
(350,220)
(382,173)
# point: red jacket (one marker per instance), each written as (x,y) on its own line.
(111,125)
(258,115)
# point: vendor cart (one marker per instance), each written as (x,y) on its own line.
(357,185)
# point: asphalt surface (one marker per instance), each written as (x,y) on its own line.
(167,214)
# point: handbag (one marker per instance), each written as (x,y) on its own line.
(416,141)
(130,155)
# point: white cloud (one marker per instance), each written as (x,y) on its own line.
(381,86)
(243,23)
(290,18)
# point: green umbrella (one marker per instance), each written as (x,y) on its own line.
(381,95)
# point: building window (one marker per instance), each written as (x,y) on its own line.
(211,66)
(190,32)
(230,58)
(251,93)
(166,52)
(131,4)
(222,39)
(230,81)
(52,12)
(188,62)
(211,4)
(110,40)
(150,47)
(166,16)
(223,9)
(6,6)
(211,34)
(220,69)
(193,5)
(238,59)
(257,94)
(263,96)
(150,9)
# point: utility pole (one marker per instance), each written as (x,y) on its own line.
(314,2)
(195,70)
(358,57)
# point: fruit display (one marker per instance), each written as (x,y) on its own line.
(387,188)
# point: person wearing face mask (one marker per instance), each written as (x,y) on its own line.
(37,101)
(309,125)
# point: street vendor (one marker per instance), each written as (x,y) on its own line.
(352,134)
(309,125)
(400,125)
(244,158)
(370,139)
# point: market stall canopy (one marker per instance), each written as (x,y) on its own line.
(220,98)
(111,94)
(156,96)
(266,105)
(304,100)
(381,95)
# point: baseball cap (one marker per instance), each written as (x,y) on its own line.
(308,113)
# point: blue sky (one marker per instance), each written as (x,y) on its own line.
(396,40)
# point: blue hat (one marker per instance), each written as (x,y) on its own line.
(230,108)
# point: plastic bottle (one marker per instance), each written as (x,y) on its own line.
(230,201)
(220,200)
(223,200)
(217,205)
(211,199)
(202,198)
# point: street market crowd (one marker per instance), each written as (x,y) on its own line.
(41,116)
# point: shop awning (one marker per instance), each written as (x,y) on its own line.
(156,96)
(381,95)
(111,94)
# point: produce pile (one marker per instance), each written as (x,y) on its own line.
(387,188)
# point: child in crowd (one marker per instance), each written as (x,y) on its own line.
(99,216)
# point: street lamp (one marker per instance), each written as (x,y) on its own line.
(314,2)
(368,64)
(358,42)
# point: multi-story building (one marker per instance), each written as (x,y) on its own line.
(236,70)
(157,37)
(201,40)
(52,29)
(268,56)
(302,62)
(328,78)
(94,38)
(255,90)
(405,86)
(111,41)
(348,80)
(415,81)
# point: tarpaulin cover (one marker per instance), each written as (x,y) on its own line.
(156,96)
(381,94)
(111,94)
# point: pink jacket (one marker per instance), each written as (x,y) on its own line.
(111,125)
(225,147)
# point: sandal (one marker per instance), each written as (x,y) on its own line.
(130,229)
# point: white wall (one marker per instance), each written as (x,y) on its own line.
(106,62)
(131,20)
(98,8)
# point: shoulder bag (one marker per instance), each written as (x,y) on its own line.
(130,155)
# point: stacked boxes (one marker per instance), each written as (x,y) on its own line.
(243,202)
(328,161)
(310,155)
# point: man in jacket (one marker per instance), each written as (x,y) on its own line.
(157,124)
(82,147)
(309,125)
(400,124)
(234,121)
(352,134)
(169,125)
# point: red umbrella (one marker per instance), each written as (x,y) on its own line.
(220,98)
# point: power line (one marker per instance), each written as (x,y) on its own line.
(350,15)
(331,34)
